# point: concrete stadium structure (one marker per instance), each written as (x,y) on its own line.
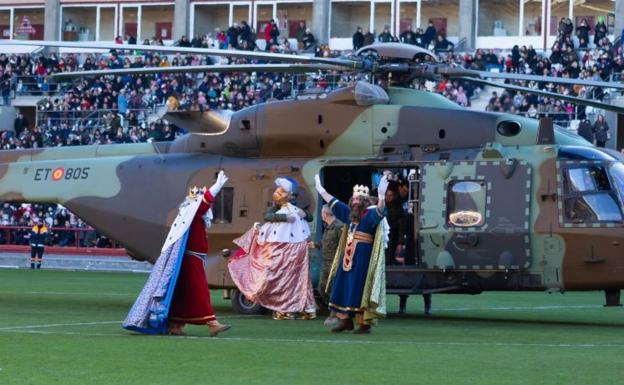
(476,23)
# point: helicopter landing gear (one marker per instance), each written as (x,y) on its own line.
(612,298)
(242,305)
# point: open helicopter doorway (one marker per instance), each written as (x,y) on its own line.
(340,179)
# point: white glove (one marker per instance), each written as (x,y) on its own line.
(319,186)
(221,179)
(382,188)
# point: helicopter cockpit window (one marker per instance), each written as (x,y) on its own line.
(466,203)
(586,179)
(588,196)
(616,170)
(222,207)
(599,207)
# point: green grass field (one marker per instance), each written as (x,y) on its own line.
(64,328)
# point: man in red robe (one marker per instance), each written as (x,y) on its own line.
(191,298)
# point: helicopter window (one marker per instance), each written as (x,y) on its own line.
(222,207)
(586,179)
(600,207)
(617,175)
(466,204)
(588,195)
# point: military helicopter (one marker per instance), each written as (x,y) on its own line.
(499,201)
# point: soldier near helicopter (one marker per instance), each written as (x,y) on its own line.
(176,292)
(409,249)
(332,228)
(359,264)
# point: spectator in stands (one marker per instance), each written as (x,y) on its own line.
(358,39)
(582,32)
(196,42)
(430,35)
(442,45)
(408,36)
(6,80)
(247,39)
(221,38)
(385,36)
(515,59)
(232,36)
(601,131)
(309,41)
(301,31)
(20,124)
(586,131)
(271,33)
(184,42)
(369,37)
(600,30)
(565,27)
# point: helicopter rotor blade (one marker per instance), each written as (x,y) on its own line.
(291,68)
(572,99)
(286,58)
(453,72)
(550,79)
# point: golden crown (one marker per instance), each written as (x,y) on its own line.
(195,191)
(360,191)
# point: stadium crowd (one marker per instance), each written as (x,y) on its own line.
(67,229)
(125,109)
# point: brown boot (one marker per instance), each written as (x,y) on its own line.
(363,329)
(344,325)
(215,328)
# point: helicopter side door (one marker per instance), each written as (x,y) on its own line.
(474,215)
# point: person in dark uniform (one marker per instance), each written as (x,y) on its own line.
(586,131)
(38,235)
(601,131)
(396,220)
(410,244)
(329,244)
(358,39)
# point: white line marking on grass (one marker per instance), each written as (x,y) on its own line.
(334,341)
(67,293)
(544,307)
(57,325)
(25,327)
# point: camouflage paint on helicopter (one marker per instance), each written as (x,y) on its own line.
(491,215)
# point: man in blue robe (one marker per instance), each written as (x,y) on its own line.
(358,286)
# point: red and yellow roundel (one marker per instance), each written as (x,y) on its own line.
(58,173)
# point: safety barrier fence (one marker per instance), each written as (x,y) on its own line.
(71,240)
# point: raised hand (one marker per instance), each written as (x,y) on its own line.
(321,190)
(218,185)
(318,184)
(382,188)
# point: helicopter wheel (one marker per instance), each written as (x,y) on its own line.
(244,306)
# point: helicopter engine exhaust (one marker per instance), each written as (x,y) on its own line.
(214,122)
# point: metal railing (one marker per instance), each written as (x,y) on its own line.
(561,118)
(88,119)
(34,85)
(69,237)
